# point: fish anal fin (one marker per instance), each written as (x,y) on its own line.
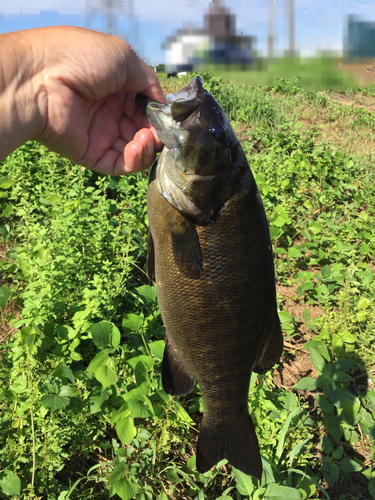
(272,349)
(176,378)
(237,443)
(186,248)
(150,257)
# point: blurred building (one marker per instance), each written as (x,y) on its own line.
(359,41)
(217,43)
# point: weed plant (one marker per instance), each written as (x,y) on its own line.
(83,412)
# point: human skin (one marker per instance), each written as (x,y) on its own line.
(73,90)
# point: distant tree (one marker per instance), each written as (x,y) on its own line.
(160,68)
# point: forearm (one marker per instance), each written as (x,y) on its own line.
(19,90)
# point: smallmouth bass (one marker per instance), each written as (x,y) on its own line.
(210,252)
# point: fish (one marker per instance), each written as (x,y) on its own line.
(209,251)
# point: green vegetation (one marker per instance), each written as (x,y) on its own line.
(316,73)
(83,413)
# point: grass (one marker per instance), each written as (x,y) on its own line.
(83,413)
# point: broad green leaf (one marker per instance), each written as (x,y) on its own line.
(326,271)
(132,322)
(285,317)
(307,488)
(63,371)
(137,393)
(120,414)
(69,391)
(337,344)
(138,409)
(317,360)
(116,336)
(98,401)
(66,332)
(224,497)
(337,454)
(10,483)
(363,303)
(276,491)
(5,294)
(192,462)
(55,402)
(147,294)
(101,334)
(118,473)
(306,384)
(349,465)
(28,334)
(364,249)
(326,406)
(304,475)
(146,360)
(333,428)
(327,445)
(106,375)
(5,182)
(281,216)
(244,483)
(157,348)
(291,401)
(338,395)
(126,430)
(294,252)
(341,377)
(348,338)
(315,227)
(100,359)
(173,476)
(7,209)
(306,315)
(343,365)
(162,496)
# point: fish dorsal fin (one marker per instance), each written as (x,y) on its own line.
(150,257)
(176,378)
(186,248)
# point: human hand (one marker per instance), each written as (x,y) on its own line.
(84,84)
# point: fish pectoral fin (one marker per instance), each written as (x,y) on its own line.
(150,257)
(237,443)
(186,247)
(175,377)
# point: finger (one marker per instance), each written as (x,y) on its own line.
(125,158)
(140,153)
(142,79)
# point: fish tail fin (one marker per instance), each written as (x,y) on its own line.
(238,444)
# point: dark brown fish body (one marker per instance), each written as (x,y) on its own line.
(216,290)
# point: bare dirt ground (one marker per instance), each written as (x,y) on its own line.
(362,71)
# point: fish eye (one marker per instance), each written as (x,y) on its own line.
(217,131)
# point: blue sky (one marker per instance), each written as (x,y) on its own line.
(147,23)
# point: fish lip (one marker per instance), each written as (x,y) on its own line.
(190,98)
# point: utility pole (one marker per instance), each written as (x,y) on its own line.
(291,23)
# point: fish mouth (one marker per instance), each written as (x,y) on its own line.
(167,118)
